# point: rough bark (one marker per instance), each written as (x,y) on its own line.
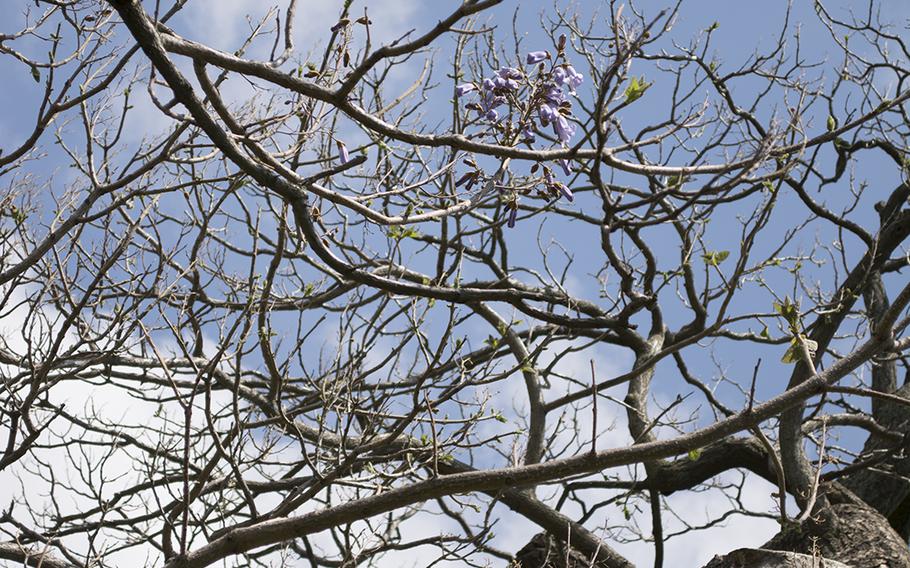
(886,485)
(546,551)
(847,531)
(760,558)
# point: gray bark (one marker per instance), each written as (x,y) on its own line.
(847,530)
(760,558)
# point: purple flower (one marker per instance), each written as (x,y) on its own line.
(505,84)
(488,84)
(537,57)
(566,166)
(529,135)
(462,90)
(564,129)
(559,76)
(513,213)
(564,190)
(555,95)
(568,76)
(574,78)
(343,155)
(547,114)
(509,73)
(488,103)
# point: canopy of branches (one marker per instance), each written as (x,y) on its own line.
(380,283)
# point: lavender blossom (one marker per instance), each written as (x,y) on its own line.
(547,113)
(513,213)
(573,78)
(568,76)
(529,135)
(343,155)
(462,90)
(488,103)
(559,75)
(509,73)
(564,190)
(505,84)
(566,166)
(537,57)
(555,95)
(563,129)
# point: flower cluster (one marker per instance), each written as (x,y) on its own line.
(518,102)
(493,92)
(547,96)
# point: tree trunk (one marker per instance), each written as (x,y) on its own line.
(761,558)
(845,530)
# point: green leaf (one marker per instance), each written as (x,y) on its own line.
(789,311)
(765,333)
(36,75)
(714,258)
(793,353)
(832,124)
(636,89)
(397,232)
(677,180)
(18,215)
(695,454)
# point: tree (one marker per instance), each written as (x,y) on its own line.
(383,298)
